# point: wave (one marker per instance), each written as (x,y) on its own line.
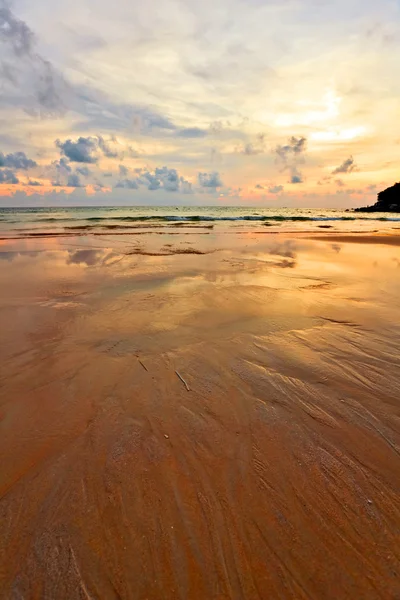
(255,218)
(180,219)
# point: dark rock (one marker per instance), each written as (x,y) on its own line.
(388,201)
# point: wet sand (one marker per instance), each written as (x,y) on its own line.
(199,417)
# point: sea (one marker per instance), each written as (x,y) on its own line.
(73,221)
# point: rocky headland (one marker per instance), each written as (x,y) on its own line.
(388,201)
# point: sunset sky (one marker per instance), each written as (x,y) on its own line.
(258,102)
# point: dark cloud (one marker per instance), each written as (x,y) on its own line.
(192,132)
(347,166)
(161,178)
(88,149)
(258,186)
(296,176)
(210,180)
(18,160)
(7,176)
(34,183)
(153,183)
(128,184)
(339,182)
(81,151)
(123,171)
(169,177)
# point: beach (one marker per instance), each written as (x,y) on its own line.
(200,408)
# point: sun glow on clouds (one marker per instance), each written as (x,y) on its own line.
(340,135)
(145,98)
(308,112)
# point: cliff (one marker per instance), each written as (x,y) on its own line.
(388,201)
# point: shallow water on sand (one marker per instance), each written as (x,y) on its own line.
(200,416)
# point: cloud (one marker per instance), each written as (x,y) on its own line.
(296,176)
(186,186)
(256,147)
(275,189)
(99,112)
(216,127)
(210,180)
(293,148)
(290,155)
(123,171)
(258,186)
(34,183)
(15,32)
(128,184)
(24,71)
(347,166)
(153,183)
(161,178)
(169,178)
(62,171)
(7,176)
(106,149)
(192,132)
(74,181)
(62,165)
(84,171)
(18,160)
(325,180)
(29,81)
(88,149)
(81,151)
(250,149)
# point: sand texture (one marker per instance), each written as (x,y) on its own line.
(184,419)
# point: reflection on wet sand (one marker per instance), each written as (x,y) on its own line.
(269,468)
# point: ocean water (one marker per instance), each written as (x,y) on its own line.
(27,222)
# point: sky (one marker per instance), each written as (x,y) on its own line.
(181,102)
